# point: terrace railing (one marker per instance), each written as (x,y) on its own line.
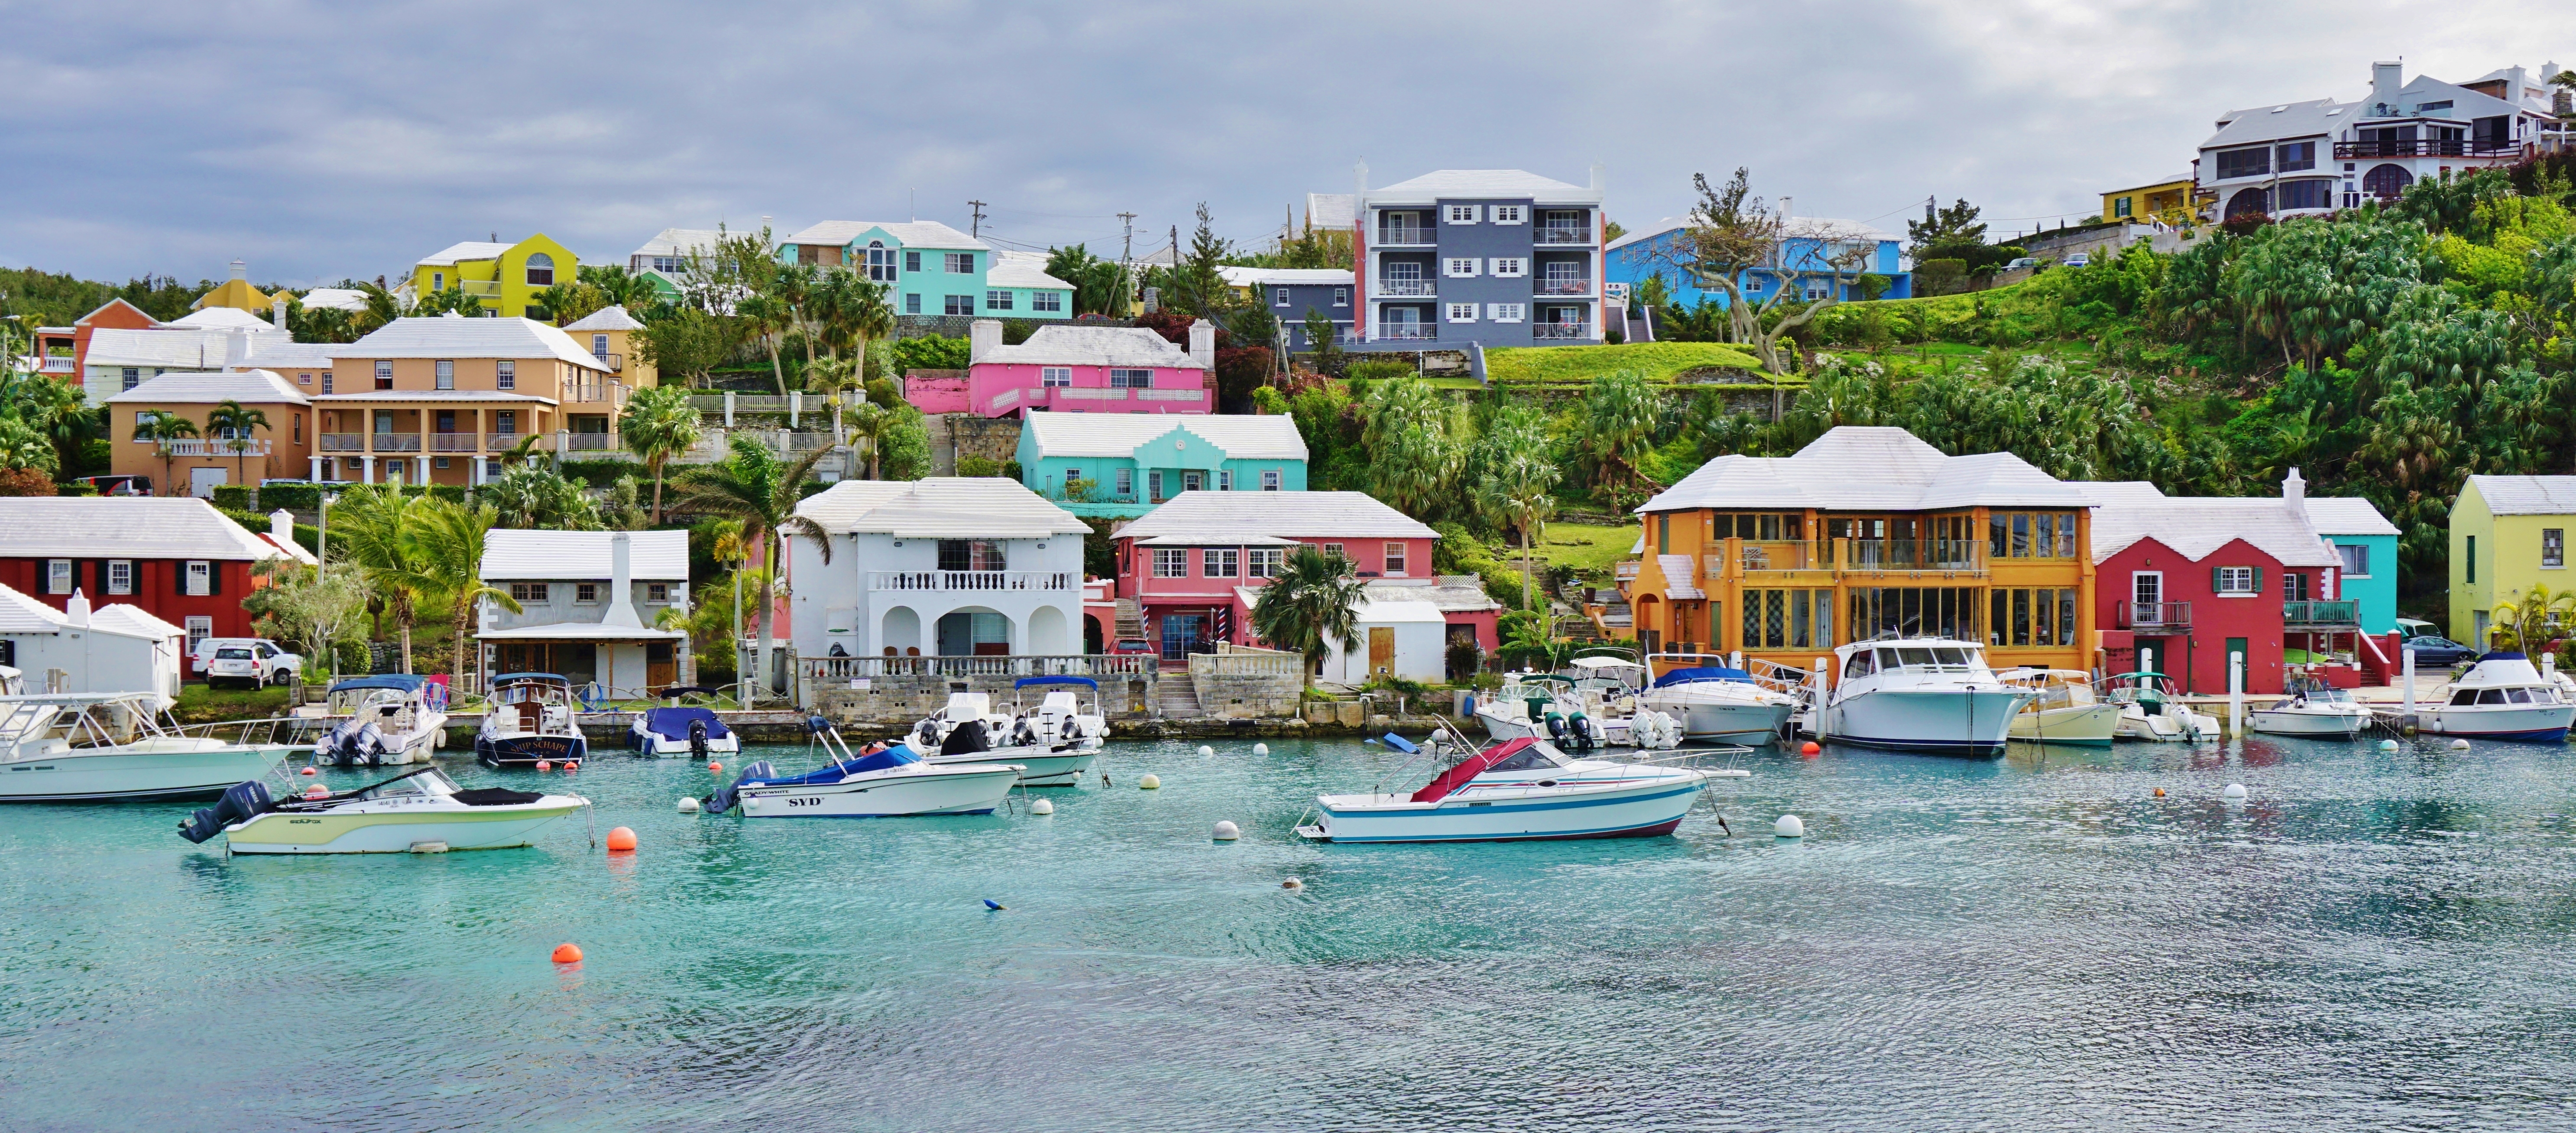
(2153,615)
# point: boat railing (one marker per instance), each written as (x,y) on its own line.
(1777,677)
(292,731)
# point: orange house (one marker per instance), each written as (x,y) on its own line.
(195,465)
(437,400)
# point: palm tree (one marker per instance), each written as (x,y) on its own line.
(793,285)
(55,408)
(523,452)
(1312,605)
(658,424)
(161,429)
(447,560)
(374,534)
(2533,618)
(872,421)
(768,316)
(1519,492)
(850,309)
(535,495)
(755,488)
(1617,428)
(236,422)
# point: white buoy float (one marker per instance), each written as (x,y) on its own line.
(688,805)
(1041,806)
(1261,749)
(1150,783)
(1789,827)
(2459,745)
(2235,792)
(2387,745)
(1227,831)
(1205,750)
(1292,883)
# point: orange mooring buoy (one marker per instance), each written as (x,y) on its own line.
(310,771)
(1809,748)
(2160,792)
(621,840)
(545,765)
(567,953)
(712,765)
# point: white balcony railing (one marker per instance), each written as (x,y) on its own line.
(1171,395)
(394,442)
(1562,287)
(1561,331)
(1558,235)
(453,442)
(824,671)
(1404,235)
(213,446)
(588,442)
(1407,288)
(61,364)
(344,442)
(972,580)
(1409,332)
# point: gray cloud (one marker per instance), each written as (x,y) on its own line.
(318,140)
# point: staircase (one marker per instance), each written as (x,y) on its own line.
(1175,698)
(943,444)
(1131,619)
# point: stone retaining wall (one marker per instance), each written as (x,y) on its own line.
(898,703)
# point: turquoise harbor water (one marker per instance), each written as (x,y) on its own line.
(2373,941)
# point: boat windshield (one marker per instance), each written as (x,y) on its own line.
(24,721)
(1529,758)
(430,782)
(1932,658)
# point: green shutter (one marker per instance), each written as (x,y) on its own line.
(2217,581)
(2258,580)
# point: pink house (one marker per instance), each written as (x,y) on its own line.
(1085,369)
(1195,565)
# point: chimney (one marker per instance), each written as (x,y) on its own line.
(236,348)
(277,311)
(1597,186)
(281,526)
(1785,203)
(241,271)
(1203,343)
(2294,492)
(621,583)
(1359,178)
(981,338)
(2385,78)
(76,611)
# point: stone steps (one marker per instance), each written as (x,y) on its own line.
(1176,698)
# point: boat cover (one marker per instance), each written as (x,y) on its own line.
(893,755)
(508,678)
(399,682)
(1468,768)
(1702,673)
(1085,682)
(495,796)
(673,723)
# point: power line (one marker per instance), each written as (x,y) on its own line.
(975,227)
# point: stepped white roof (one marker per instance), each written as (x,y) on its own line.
(1022,269)
(1867,468)
(2527,495)
(909,234)
(959,507)
(1234,518)
(1460,184)
(1283,277)
(222,318)
(23,614)
(2347,515)
(1056,345)
(469,338)
(133,619)
(128,527)
(198,348)
(679,242)
(2197,526)
(1121,434)
(468,250)
(187,387)
(336,298)
(520,553)
(605,318)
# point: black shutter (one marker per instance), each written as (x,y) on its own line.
(215,576)
(179,577)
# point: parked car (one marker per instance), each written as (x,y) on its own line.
(118,485)
(2079,259)
(2438,652)
(1134,645)
(251,660)
(2414,627)
(2024,262)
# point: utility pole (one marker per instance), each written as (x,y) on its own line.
(1127,266)
(975,227)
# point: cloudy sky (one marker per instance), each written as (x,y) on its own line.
(319,141)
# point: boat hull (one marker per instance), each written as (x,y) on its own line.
(1729,720)
(2174,726)
(2285,723)
(649,743)
(892,796)
(527,749)
(493,828)
(1039,767)
(1634,811)
(173,773)
(1946,721)
(2083,725)
(2537,723)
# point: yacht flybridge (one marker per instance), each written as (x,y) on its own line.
(1931,694)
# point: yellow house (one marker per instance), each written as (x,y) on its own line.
(505,276)
(2508,534)
(609,334)
(2168,200)
(235,292)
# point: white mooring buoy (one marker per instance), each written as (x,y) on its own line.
(2459,745)
(1789,827)
(688,805)
(1227,831)
(1292,883)
(1205,750)
(2235,792)
(1150,783)
(2387,745)
(1041,806)
(1261,749)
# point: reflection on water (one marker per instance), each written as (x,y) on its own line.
(2370,940)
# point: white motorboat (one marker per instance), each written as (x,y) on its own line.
(1054,743)
(674,729)
(2064,709)
(1606,689)
(2148,711)
(2311,708)
(385,720)
(1720,704)
(82,747)
(1520,789)
(1540,706)
(533,719)
(420,810)
(2502,697)
(886,781)
(1928,694)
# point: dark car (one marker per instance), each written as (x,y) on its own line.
(2438,652)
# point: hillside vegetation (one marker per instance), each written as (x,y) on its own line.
(1574,365)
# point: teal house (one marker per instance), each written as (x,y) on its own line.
(2367,543)
(932,269)
(1119,465)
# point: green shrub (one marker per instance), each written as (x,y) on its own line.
(1011,469)
(597,473)
(978,466)
(74,490)
(1370,371)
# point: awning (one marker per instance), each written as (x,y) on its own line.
(581,631)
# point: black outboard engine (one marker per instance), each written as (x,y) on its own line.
(1586,733)
(1556,729)
(723,799)
(698,739)
(1023,733)
(925,735)
(241,801)
(966,739)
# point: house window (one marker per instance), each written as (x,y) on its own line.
(2296,156)
(997,300)
(2235,580)
(1462,312)
(438,281)
(384,373)
(438,462)
(2244,162)
(2356,559)
(912,302)
(508,372)
(1510,267)
(527,592)
(1334,549)
(2120,206)
(1263,562)
(1341,297)
(1508,312)
(120,576)
(133,376)
(2472,560)
(2553,547)
(505,421)
(1154,486)
(1217,564)
(1279,297)
(1048,301)
(599,346)
(1270,480)
(585,592)
(200,578)
(657,592)
(446,371)
(1126,481)
(1053,376)
(326,381)
(1171,562)
(1394,560)
(1462,267)
(959,305)
(541,270)
(200,627)
(973,554)
(958,263)
(1131,379)
(1462,214)
(58,576)
(880,262)
(299,428)
(912,261)
(2294,586)
(141,422)
(1507,214)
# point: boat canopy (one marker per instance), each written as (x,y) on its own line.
(2142,673)
(513,678)
(1085,682)
(672,723)
(1467,770)
(400,682)
(1702,673)
(1605,663)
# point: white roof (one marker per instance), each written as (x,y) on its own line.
(908,234)
(1121,434)
(469,250)
(139,527)
(2278,120)
(1450,593)
(210,387)
(1094,346)
(1865,468)
(1681,576)
(2527,495)
(580,631)
(679,242)
(2347,515)
(963,507)
(522,554)
(1332,210)
(132,619)
(22,614)
(2197,526)
(1223,518)
(1239,541)
(336,298)
(469,338)
(1384,611)
(1483,183)
(1284,277)
(222,318)
(432,395)
(605,318)
(1022,269)
(197,348)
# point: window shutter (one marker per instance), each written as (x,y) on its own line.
(2258,580)
(2217,581)
(179,577)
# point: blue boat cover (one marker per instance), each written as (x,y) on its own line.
(399,682)
(1703,673)
(507,678)
(2501,655)
(673,723)
(895,755)
(1085,682)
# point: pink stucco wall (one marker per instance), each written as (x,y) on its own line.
(1004,389)
(936,395)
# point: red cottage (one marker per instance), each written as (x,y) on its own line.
(175,556)
(2198,578)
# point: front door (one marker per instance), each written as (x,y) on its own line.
(1193,481)
(1381,651)
(202,482)
(1181,635)
(2152,656)
(2236,648)
(661,664)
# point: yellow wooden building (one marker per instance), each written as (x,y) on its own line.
(2169,200)
(506,277)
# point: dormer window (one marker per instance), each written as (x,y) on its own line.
(541,270)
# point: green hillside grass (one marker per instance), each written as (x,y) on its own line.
(1660,361)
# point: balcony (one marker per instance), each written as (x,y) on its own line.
(1408,234)
(973,580)
(452,442)
(2428,147)
(501,442)
(1409,332)
(394,442)
(595,390)
(343,442)
(60,364)
(613,363)
(1946,555)
(1407,288)
(2321,615)
(2153,616)
(1562,287)
(1559,235)
(1783,555)
(213,446)
(1562,331)
(480,288)
(589,442)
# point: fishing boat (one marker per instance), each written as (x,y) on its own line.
(2502,697)
(1053,742)
(2148,711)
(532,719)
(1520,789)
(1719,703)
(2311,708)
(2063,710)
(417,811)
(885,781)
(1607,688)
(1540,706)
(675,729)
(972,711)
(96,747)
(1928,694)
(385,720)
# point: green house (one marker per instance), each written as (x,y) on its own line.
(1119,465)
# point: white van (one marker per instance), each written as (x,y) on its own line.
(251,660)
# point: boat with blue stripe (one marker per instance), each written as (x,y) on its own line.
(1521,790)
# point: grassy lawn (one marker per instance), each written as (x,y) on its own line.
(1587,548)
(199,704)
(1657,360)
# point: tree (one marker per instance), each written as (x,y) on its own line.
(533,494)
(1616,430)
(633,292)
(658,424)
(2530,621)
(767,317)
(755,488)
(905,442)
(793,285)
(446,555)
(571,301)
(373,535)
(302,604)
(685,345)
(237,424)
(1952,227)
(1324,344)
(1414,447)
(1311,606)
(55,408)
(1099,286)
(1732,233)
(1519,493)
(850,310)
(871,422)
(161,429)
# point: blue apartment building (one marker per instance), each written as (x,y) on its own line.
(1803,267)
(1493,257)
(933,269)
(1291,294)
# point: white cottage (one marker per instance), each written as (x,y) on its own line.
(949,566)
(115,649)
(589,602)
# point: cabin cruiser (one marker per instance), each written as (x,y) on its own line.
(416,811)
(83,747)
(884,781)
(1919,694)
(1520,789)
(384,720)
(676,729)
(2311,708)
(2064,711)
(2148,711)
(1053,743)
(2502,697)
(532,719)
(1720,703)
(1540,706)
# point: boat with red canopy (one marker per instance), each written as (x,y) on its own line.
(1519,790)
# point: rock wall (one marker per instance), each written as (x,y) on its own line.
(890,705)
(994,438)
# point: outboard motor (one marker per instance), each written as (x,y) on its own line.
(241,802)
(1023,733)
(698,739)
(925,735)
(966,739)
(1586,734)
(1556,728)
(366,745)
(723,799)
